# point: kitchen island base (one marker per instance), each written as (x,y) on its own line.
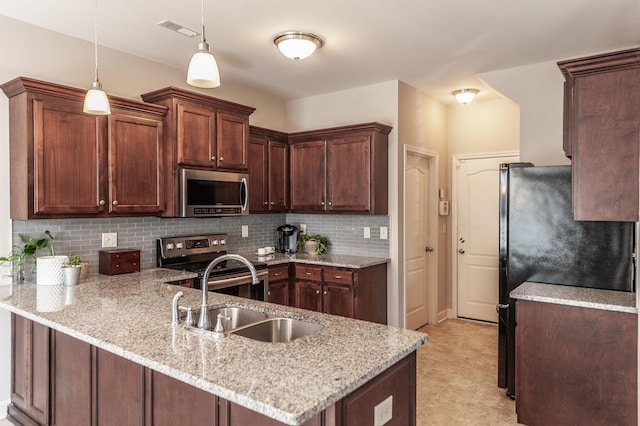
(58,379)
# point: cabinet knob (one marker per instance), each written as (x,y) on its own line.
(213,158)
(265,203)
(272,203)
(324,292)
(317,291)
(329,202)
(322,203)
(269,293)
(101,202)
(221,158)
(115,202)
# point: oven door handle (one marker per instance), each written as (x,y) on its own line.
(215,284)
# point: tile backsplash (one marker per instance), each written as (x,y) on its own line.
(84,236)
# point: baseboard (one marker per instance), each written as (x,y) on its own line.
(442,315)
(4,405)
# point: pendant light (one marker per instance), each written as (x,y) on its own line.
(96,101)
(203,68)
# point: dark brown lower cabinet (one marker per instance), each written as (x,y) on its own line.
(575,365)
(60,380)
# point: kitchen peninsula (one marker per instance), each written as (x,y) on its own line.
(108,352)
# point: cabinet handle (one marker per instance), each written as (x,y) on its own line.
(213,158)
(322,203)
(329,202)
(101,202)
(221,158)
(277,274)
(135,264)
(117,265)
(307,273)
(337,277)
(272,203)
(317,291)
(265,203)
(115,202)
(269,293)
(324,292)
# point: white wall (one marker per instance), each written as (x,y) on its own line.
(30,51)
(538,90)
(378,102)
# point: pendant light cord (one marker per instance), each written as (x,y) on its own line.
(95,38)
(204,39)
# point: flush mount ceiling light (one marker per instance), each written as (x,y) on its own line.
(96,101)
(464,96)
(296,44)
(203,68)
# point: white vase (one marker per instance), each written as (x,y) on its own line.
(49,270)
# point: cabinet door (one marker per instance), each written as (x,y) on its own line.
(67,147)
(278,176)
(307,295)
(71,374)
(232,135)
(308,170)
(258,177)
(278,292)
(606,152)
(30,370)
(349,176)
(120,389)
(173,402)
(135,165)
(196,136)
(338,300)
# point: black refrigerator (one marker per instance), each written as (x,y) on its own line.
(540,242)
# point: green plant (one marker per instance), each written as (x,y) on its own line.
(74,260)
(322,241)
(28,248)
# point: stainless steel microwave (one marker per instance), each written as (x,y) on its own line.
(205,193)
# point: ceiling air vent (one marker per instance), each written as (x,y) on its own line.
(170,25)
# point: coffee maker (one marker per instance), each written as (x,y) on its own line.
(287,238)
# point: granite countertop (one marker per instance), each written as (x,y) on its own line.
(608,300)
(328,259)
(130,315)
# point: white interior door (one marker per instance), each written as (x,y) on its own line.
(416,241)
(477,236)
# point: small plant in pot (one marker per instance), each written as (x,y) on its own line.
(27,249)
(71,270)
(312,244)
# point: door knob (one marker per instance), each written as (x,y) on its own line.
(461,251)
(428,249)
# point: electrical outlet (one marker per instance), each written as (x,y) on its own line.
(384,233)
(109,239)
(383,412)
(245,231)
(303,229)
(367,232)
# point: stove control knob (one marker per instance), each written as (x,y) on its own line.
(214,242)
(169,246)
(223,242)
(179,246)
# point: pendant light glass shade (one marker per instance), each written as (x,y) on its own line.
(96,101)
(203,68)
(464,96)
(297,45)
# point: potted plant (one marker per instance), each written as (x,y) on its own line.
(27,249)
(312,244)
(71,270)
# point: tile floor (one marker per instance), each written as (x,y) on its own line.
(457,377)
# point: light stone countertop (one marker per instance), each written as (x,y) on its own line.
(328,259)
(608,300)
(130,315)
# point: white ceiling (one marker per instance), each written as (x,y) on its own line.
(436,46)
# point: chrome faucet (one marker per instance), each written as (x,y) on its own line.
(204,322)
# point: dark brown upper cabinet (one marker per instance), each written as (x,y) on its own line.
(340,170)
(602,134)
(202,132)
(65,163)
(268,171)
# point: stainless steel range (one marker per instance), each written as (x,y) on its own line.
(193,253)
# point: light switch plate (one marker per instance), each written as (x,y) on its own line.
(384,233)
(383,412)
(303,229)
(245,231)
(367,232)
(109,239)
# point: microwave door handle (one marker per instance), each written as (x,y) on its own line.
(244,194)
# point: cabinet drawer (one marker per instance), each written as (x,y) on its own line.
(278,273)
(339,276)
(113,262)
(311,273)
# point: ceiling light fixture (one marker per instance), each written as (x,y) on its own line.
(96,101)
(297,45)
(464,96)
(203,68)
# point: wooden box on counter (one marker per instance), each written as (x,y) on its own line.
(119,261)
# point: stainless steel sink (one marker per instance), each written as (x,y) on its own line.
(240,317)
(278,330)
